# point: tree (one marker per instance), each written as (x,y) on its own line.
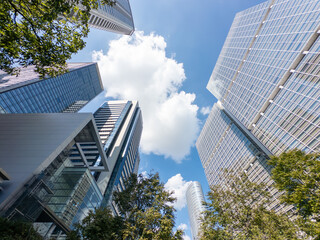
(146,212)
(15,230)
(100,224)
(297,174)
(43,33)
(238,210)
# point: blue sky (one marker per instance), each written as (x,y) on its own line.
(172,55)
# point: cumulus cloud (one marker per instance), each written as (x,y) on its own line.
(136,68)
(186,237)
(205,110)
(183,226)
(179,187)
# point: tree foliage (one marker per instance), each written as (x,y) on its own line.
(238,210)
(43,33)
(297,174)
(100,224)
(15,230)
(146,212)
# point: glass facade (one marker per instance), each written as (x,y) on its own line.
(267,78)
(116,18)
(75,194)
(61,192)
(28,94)
(222,145)
(119,124)
(58,197)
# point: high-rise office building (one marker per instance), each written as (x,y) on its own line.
(119,124)
(116,18)
(41,184)
(29,94)
(75,107)
(120,127)
(195,199)
(66,164)
(266,81)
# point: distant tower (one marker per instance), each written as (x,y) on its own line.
(116,18)
(27,93)
(195,201)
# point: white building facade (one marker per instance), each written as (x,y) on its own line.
(117,18)
(195,205)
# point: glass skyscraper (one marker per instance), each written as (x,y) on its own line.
(42,184)
(195,199)
(120,127)
(79,161)
(266,80)
(116,18)
(29,94)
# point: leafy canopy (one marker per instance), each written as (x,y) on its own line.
(15,230)
(145,212)
(100,224)
(297,174)
(238,210)
(43,33)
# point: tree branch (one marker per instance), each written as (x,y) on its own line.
(30,22)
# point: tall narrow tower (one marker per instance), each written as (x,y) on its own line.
(119,124)
(195,201)
(116,18)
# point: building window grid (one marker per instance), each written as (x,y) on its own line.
(306,100)
(31,98)
(291,55)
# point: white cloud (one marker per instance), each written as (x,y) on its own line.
(136,68)
(144,174)
(179,187)
(205,110)
(186,237)
(183,226)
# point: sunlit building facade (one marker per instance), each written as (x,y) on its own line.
(117,18)
(195,199)
(120,127)
(266,80)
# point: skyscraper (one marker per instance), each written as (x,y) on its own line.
(195,205)
(120,127)
(116,18)
(66,164)
(119,124)
(29,94)
(266,81)
(41,184)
